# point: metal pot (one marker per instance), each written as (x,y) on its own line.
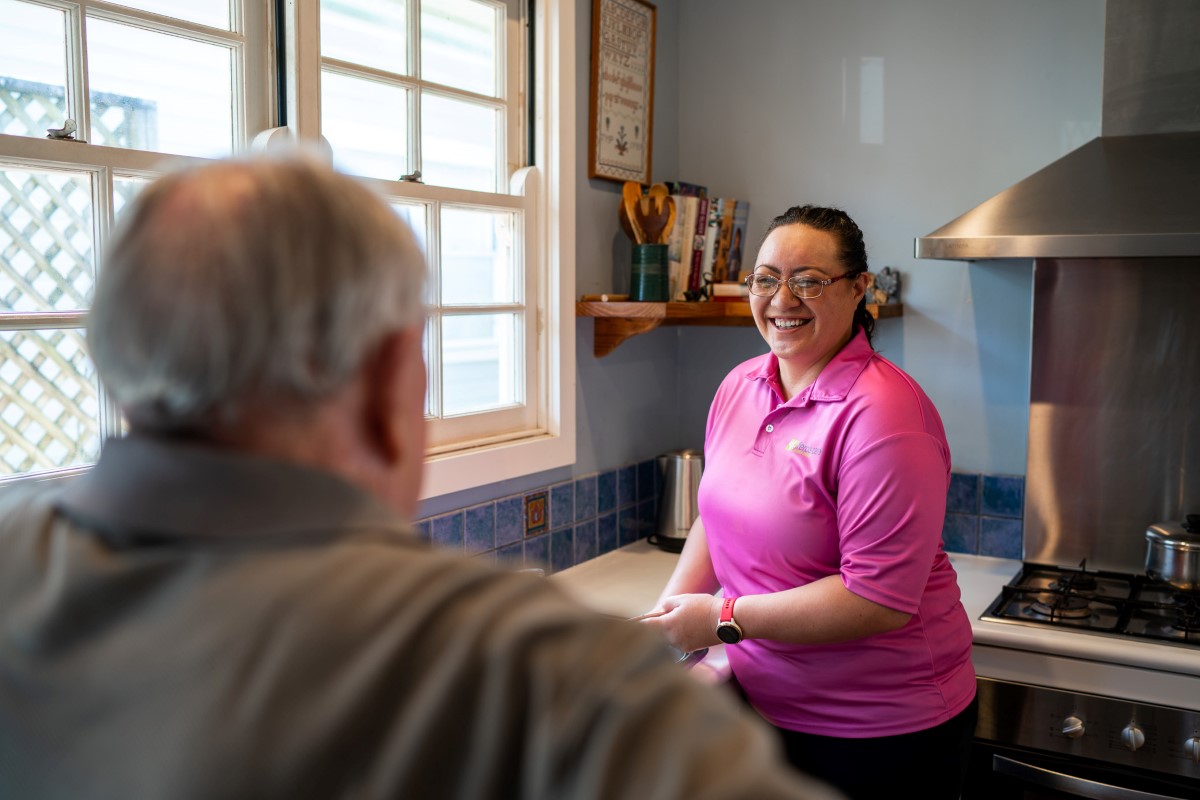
(1173,553)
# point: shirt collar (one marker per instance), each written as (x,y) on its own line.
(836,379)
(153,489)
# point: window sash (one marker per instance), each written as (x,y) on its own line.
(248,39)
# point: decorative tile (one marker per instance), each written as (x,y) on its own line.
(422,529)
(537,551)
(627,485)
(1003,495)
(480,530)
(963,497)
(585,541)
(562,504)
(960,533)
(647,477)
(488,557)
(536,518)
(447,531)
(562,549)
(1000,537)
(510,522)
(606,491)
(585,498)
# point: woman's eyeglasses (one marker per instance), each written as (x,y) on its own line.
(802,286)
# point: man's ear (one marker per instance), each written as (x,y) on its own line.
(386,374)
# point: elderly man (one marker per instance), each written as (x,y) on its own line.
(230,604)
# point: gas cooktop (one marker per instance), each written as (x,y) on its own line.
(1105,603)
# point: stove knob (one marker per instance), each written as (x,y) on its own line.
(1133,737)
(1072,727)
(1192,748)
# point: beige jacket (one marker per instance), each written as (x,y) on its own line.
(186,623)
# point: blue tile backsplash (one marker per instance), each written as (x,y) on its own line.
(1003,495)
(595,514)
(984,515)
(587,516)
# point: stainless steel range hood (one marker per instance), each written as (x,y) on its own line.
(1132,192)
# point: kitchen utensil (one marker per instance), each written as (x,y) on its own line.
(654,214)
(1173,553)
(631,195)
(677,510)
(660,195)
(626,225)
(690,659)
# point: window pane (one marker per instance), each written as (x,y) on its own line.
(214,13)
(458,44)
(478,259)
(365,123)
(480,362)
(373,33)
(155,91)
(431,383)
(124,190)
(33,69)
(415,216)
(458,144)
(49,406)
(46,251)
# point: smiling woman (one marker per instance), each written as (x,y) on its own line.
(821,510)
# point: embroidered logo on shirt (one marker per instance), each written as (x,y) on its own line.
(796,446)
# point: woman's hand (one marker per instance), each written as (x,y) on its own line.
(688,621)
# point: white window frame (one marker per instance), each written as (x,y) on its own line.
(250,23)
(546,192)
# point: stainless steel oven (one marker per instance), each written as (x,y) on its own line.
(1033,742)
(1089,687)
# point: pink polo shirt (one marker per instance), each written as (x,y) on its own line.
(848,478)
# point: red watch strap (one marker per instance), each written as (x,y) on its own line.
(727,609)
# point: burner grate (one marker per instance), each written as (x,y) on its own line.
(1100,602)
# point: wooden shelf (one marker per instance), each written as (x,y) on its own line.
(616,322)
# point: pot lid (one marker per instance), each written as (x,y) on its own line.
(1177,535)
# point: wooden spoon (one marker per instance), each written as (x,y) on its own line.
(626,225)
(661,197)
(655,212)
(631,194)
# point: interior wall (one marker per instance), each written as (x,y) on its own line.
(905,114)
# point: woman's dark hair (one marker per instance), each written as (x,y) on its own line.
(851,250)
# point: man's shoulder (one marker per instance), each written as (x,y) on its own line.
(25,504)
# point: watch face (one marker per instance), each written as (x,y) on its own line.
(729,634)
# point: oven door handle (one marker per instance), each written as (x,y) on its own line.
(1069,784)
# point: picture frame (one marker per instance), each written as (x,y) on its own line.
(621,135)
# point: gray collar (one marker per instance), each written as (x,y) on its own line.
(149,489)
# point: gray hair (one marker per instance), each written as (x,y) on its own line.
(244,281)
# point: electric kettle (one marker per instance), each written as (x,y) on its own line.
(680,472)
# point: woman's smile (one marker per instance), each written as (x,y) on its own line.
(789,323)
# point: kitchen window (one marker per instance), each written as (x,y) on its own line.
(435,87)
(79,69)
(429,100)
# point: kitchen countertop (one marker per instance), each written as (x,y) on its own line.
(626,582)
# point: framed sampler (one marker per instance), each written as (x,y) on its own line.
(622,94)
